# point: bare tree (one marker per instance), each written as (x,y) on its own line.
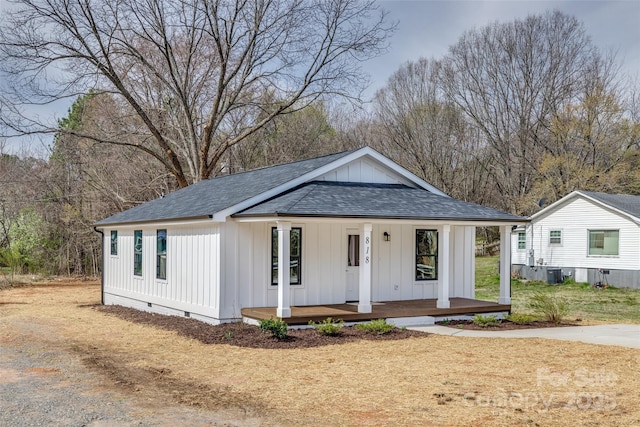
(425,132)
(296,136)
(87,181)
(593,146)
(512,80)
(192,78)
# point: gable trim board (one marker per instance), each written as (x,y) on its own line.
(575,215)
(218,252)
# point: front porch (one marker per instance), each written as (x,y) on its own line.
(301,315)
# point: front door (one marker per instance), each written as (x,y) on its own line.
(353,264)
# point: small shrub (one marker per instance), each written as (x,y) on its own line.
(552,308)
(485,321)
(277,327)
(378,326)
(521,318)
(328,326)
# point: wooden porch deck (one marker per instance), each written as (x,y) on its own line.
(301,315)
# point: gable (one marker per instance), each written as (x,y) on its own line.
(583,213)
(589,204)
(365,170)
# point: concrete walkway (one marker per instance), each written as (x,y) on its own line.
(621,335)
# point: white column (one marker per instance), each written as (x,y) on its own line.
(470,276)
(364,299)
(284,260)
(443,261)
(505,265)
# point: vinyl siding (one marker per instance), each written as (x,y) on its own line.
(575,219)
(520,256)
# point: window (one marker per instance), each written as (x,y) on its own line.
(522,240)
(161,254)
(137,252)
(604,242)
(353,250)
(426,254)
(555,237)
(114,242)
(295,256)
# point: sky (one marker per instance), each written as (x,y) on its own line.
(428,28)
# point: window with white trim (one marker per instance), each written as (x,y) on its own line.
(604,242)
(295,257)
(426,254)
(114,242)
(555,237)
(522,240)
(137,253)
(161,254)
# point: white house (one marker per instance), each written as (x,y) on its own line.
(359,233)
(592,237)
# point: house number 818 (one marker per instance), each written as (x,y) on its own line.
(367,248)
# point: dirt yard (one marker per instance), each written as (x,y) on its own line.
(63,362)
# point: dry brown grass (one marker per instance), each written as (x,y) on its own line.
(435,380)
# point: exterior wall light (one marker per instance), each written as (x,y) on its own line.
(387,236)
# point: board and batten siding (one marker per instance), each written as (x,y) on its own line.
(574,219)
(363,170)
(193,270)
(247,262)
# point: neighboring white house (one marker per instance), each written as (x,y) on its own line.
(352,226)
(591,237)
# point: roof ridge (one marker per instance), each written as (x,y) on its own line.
(345,152)
(309,189)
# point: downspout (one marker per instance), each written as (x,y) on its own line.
(97,230)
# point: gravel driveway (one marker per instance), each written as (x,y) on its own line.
(42,384)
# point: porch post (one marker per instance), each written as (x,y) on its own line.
(443,255)
(364,299)
(284,260)
(505,265)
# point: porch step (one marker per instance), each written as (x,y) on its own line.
(412,321)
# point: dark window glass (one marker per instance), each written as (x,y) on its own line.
(426,254)
(114,242)
(137,252)
(161,254)
(295,264)
(353,255)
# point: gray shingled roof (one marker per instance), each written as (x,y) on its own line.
(214,195)
(361,200)
(625,202)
